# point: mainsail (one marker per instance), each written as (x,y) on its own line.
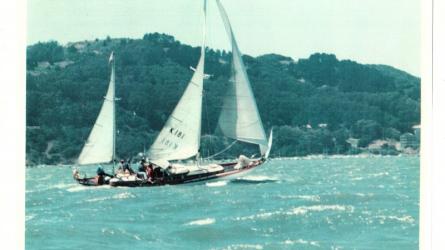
(181,135)
(100,146)
(239,118)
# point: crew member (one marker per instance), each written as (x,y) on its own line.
(128,169)
(142,169)
(149,172)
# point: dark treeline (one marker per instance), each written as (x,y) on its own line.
(314,105)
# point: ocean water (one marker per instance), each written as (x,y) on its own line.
(310,203)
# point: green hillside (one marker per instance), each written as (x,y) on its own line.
(338,100)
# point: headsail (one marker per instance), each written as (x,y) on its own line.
(240,118)
(181,135)
(100,146)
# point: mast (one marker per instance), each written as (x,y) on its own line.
(203,51)
(113,158)
(204,17)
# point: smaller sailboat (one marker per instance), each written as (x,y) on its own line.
(100,147)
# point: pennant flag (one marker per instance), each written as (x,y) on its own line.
(111,57)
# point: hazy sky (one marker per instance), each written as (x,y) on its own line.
(367,31)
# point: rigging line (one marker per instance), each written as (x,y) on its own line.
(208,122)
(222,151)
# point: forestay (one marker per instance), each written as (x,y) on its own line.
(99,148)
(239,118)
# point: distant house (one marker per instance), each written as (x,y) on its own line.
(408,140)
(353,142)
(32,127)
(416,129)
(43,65)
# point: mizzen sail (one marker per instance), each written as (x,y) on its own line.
(239,117)
(100,146)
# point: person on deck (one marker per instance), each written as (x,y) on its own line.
(101,174)
(149,172)
(128,169)
(100,171)
(142,170)
(120,168)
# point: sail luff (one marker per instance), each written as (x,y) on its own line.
(180,137)
(240,118)
(204,26)
(100,145)
(203,52)
(113,80)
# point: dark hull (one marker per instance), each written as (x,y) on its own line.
(228,170)
(91,181)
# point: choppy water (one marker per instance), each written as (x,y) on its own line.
(335,203)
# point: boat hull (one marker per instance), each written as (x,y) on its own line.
(92,181)
(228,170)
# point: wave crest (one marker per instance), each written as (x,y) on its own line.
(120,196)
(201,222)
(216,184)
(255,179)
(298,211)
(301,241)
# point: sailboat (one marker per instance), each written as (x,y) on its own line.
(180,137)
(100,147)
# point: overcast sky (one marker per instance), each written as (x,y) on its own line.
(367,31)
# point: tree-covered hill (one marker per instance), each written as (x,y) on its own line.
(315,105)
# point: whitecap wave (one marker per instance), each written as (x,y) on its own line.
(119,196)
(107,231)
(364,195)
(201,222)
(356,178)
(301,197)
(255,179)
(29,217)
(97,199)
(65,186)
(42,178)
(379,174)
(301,241)
(319,208)
(124,195)
(298,211)
(216,184)
(404,219)
(76,188)
(323,157)
(62,186)
(244,246)
(259,178)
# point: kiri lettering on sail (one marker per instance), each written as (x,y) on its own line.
(177,133)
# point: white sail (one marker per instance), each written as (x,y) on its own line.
(99,148)
(239,118)
(181,135)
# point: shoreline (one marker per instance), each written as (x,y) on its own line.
(306,157)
